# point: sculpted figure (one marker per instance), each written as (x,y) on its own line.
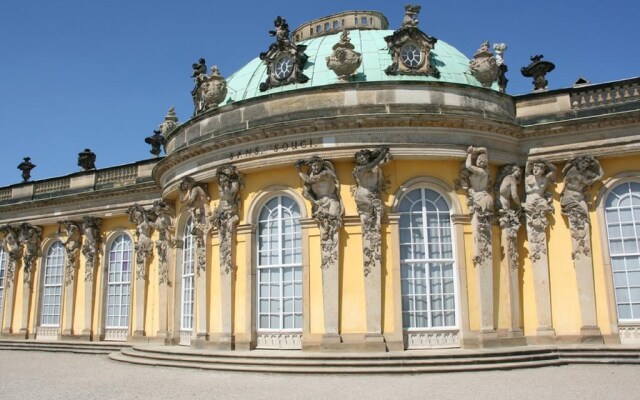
(282,29)
(410,16)
(199,74)
(163,223)
(509,210)
(369,184)
(321,188)
(474,177)
(369,181)
(143,244)
(225,218)
(195,197)
(579,174)
(30,239)
(71,246)
(13,247)
(507,185)
(91,230)
(539,176)
(477,164)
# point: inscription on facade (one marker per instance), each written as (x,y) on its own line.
(272,148)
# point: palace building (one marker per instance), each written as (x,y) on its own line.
(356,187)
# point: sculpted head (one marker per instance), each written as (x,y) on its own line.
(363,157)
(482,160)
(317,164)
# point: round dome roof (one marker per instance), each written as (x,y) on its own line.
(452,64)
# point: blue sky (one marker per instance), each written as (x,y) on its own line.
(101,75)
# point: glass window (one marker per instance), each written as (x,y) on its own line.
(356,20)
(326,26)
(427,265)
(411,55)
(336,24)
(318,29)
(52,286)
(119,283)
(3,272)
(279,283)
(363,20)
(622,213)
(188,269)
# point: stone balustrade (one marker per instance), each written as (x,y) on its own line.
(120,176)
(605,96)
(86,181)
(51,186)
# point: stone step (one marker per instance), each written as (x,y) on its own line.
(69,347)
(600,360)
(449,354)
(364,368)
(327,361)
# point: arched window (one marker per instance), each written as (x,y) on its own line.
(427,263)
(326,26)
(52,286)
(118,288)
(279,274)
(187,278)
(622,211)
(3,272)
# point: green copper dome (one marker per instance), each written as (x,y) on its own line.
(452,64)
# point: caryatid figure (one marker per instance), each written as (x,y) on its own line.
(225,217)
(369,184)
(322,189)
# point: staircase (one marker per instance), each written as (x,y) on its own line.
(63,346)
(341,363)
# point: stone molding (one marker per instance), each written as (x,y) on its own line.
(432,339)
(281,341)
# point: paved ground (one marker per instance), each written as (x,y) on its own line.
(39,375)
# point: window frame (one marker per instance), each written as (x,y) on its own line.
(280,267)
(606,224)
(452,208)
(58,282)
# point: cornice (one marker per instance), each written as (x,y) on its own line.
(473,124)
(139,191)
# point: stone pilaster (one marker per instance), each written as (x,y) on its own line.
(540,269)
(69,296)
(201,318)
(394,339)
(9,293)
(140,296)
(246,340)
(583,265)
